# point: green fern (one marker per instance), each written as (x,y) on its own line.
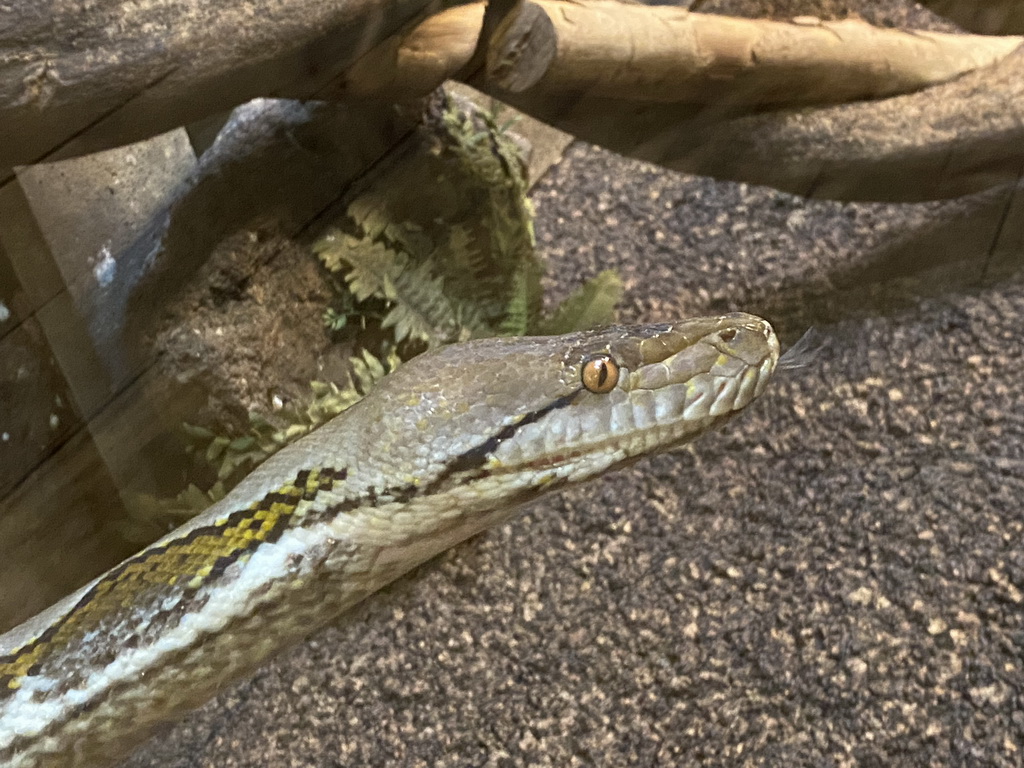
(592,304)
(419,307)
(150,517)
(417,271)
(478,274)
(524,301)
(232,457)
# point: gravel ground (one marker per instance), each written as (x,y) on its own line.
(834,579)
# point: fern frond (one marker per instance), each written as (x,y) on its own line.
(517,313)
(367,370)
(523,300)
(150,517)
(462,261)
(372,266)
(421,309)
(408,238)
(590,305)
(370,214)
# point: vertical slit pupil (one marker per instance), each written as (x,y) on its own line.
(600,374)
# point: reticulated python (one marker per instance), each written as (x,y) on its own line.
(446,446)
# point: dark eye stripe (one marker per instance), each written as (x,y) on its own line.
(474,458)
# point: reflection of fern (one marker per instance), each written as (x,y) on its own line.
(149,517)
(419,309)
(592,304)
(233,457)
(426,269)
(525,300)
(476,275)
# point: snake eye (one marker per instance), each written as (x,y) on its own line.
(600,374)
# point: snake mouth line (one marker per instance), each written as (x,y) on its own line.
(685,432)
(667,436)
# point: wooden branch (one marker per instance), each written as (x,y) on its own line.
(666,54)
(944,141)
(986,17)
(179,60)
(68,84)
(414,63)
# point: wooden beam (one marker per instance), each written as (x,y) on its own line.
(74,82)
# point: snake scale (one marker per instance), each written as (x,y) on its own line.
(446,446)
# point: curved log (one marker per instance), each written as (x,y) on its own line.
(943,141)
(666,54)
(74,81)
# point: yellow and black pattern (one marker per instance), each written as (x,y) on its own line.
(182,564)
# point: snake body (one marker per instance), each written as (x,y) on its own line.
(446,446)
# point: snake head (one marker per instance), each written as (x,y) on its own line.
(537,410)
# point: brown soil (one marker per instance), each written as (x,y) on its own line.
(248,333)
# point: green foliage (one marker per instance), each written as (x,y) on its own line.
(231,457)
(335,320)
(149,517)
(457,262)
(435,249)
(590,305)
(417,306)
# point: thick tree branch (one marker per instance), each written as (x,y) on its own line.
(668,55)
(687,90)
(416,61)
(73,81)
(665,54)
(944,141)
